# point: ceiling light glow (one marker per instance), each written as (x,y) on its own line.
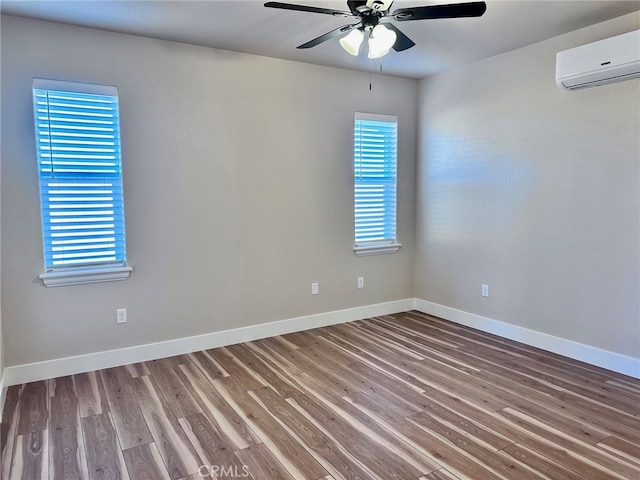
(381,40)
(351,42)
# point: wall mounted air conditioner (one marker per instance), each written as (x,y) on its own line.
(611,60)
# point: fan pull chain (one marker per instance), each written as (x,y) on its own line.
(371,73)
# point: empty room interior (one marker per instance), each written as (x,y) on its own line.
(320,240)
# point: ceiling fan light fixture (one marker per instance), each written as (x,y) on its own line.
(381,40)
(351,42)
(374,22)
(377,54)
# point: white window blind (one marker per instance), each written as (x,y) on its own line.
(375,165)
(79,164)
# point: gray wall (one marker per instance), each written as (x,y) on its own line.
(534,191)
(238,190)
(1,338)
(238,185)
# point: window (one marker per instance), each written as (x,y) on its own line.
(375,165)
(78,149)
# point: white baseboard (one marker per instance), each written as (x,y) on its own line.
(578,351)
(141,353)
(3,391)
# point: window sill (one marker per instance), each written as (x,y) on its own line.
(85,275)
(376,249)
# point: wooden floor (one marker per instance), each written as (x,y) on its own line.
(406,396)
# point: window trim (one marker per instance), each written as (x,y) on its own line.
(70,275)
(376,248)
(82,275)
(386,246)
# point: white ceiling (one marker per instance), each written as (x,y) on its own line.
(247,26)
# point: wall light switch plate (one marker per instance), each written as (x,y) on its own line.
(314,289)
(360,282)
(485,290)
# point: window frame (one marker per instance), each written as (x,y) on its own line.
(377,246)
(69,274)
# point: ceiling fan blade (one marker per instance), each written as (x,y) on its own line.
(307,8)
(455,10)
(333,33)
(402,41)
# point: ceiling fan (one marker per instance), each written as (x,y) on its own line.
(375,23)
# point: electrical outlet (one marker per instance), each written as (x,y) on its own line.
(485,290)
(121,315)
(360,282)
(314,289)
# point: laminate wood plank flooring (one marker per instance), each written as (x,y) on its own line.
(164,374)
(174,447)
(130,425)
(8,429)
(226,419)
(295,457)
(30,456)
(261,463)
(66,457)
(33,408)
(396,397)
(90,394)
(211,447)
(104,456)
(144,463)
